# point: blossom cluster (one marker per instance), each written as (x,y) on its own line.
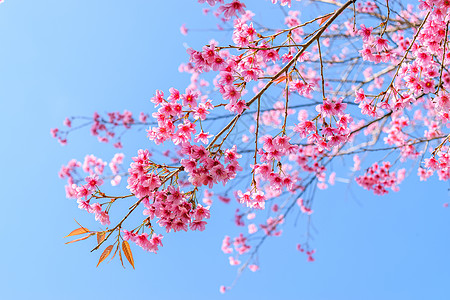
(84,193)
(205,170)
(177,109)
(104,128)
(378,178)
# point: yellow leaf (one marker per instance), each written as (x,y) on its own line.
(80,239)
(120,256)
(105,254)
(127,251)
(78,231)
(283,78)
(324,19)
(280,79)
(115,252)
(100,237)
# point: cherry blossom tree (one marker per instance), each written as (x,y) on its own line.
(267,116)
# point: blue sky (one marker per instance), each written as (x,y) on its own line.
(62,58)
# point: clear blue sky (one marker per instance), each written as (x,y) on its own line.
(62,58)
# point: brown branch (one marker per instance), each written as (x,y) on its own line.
(443,58)
(256,139)
(321,69)
(286,105)
(409,48)
(285,68)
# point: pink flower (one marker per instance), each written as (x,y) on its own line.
(103,218)
(189,98)
(226,245)
(381,43)
(210,2)
(231,9)
(129,235)
(198,225)
(200,112)
(283,2)
(222,288)
(253,268)
(357,163)
(93,181)
(304,128)
(365,32)
(142,241)
(339,107)
(231,94)
(84,205)
(158,98)
(156,240)
(431,163)
(303,208)
(233,261)
(201,213)
(67,121)
(428,86)
(174,95)
(442,101)
(54,132)
(252,228)
(326,109)
(183,29)
(83,191)
(224,199)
